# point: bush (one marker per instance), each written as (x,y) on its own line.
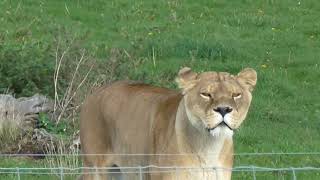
(26,69)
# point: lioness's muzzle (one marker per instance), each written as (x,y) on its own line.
(222,123)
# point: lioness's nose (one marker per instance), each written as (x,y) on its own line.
(223,110)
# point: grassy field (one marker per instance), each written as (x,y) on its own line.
(280,39)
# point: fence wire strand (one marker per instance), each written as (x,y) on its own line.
(144,169)
(181,154)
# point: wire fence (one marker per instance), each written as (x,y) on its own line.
(180,154)
(62,172)
(140,172)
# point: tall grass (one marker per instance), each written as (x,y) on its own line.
(9,134)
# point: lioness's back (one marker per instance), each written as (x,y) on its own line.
(123,117)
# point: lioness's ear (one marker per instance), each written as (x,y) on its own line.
(248,78)
(186,79)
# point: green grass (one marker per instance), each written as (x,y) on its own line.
(280,39)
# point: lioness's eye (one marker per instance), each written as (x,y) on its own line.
(236,95)
(205,95)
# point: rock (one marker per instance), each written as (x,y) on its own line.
(75,145)
(18,121)
(22,112)
(20,132)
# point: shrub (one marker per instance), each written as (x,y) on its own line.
(26,69)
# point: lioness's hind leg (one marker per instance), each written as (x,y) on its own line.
(115,173)
(100,168)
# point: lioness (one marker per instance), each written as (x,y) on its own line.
(194,126)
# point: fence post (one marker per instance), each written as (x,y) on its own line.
(254,173)
(96,172)
(18,173)
(176,171)
(216,170)
(293,174)
(140,173)
(61,173)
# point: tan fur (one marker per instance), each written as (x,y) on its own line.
(135,118)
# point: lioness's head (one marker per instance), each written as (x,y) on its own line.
(217,101)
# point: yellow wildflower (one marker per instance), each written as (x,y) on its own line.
(264,66)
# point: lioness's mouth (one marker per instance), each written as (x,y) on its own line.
(221,124)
